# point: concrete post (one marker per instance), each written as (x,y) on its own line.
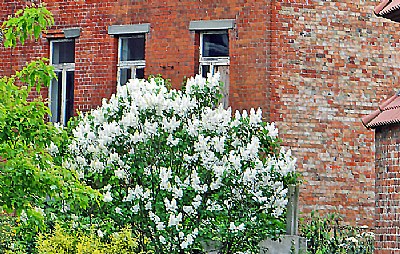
(292,223)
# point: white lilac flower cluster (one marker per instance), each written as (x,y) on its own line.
(177,161)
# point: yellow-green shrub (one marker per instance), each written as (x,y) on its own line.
(123,242)
(78,242)
(59,242)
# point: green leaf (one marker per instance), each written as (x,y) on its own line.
(36,31)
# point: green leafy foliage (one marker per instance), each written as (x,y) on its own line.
(325,235)
(27,170)
(24,137)
(33,184)
(26,24)
(36,74)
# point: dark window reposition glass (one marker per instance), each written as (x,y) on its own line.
(204,70)
(132,48)
(140,73)
(63,52)
(215,45)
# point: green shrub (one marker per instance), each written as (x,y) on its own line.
(325,235)
(9,243)
(6,227)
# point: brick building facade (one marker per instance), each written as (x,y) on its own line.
(314,67)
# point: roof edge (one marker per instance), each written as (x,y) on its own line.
(367,119)
(385,123)
(386,103)
(381,6)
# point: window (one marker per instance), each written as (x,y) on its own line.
(214,51)
(131,57)
(61,91)
(131,50)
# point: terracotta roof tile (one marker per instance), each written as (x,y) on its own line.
(389,9)
(388,113)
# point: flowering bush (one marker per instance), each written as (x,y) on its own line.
(176,166)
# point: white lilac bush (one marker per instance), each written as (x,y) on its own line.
(178,168)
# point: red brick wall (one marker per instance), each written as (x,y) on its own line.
(170,46)
(315,67)
(387,189)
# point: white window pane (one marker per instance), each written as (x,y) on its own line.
(224,78)
(56,97)
(61,92)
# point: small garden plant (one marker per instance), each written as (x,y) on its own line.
(325,235)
